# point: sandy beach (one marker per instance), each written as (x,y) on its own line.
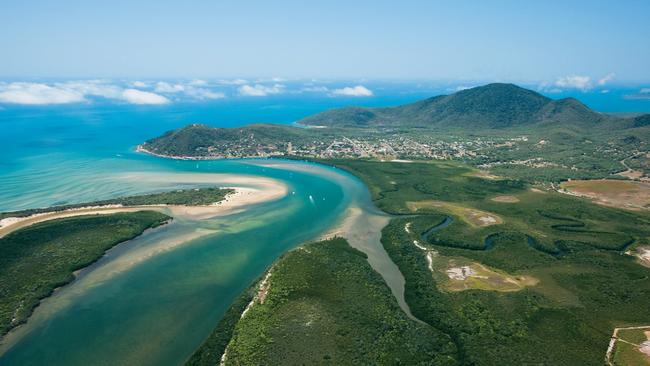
(253,190)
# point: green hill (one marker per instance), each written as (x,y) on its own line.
(490,106)
(499,127)
(199,140)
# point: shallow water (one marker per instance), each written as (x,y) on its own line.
(153,300)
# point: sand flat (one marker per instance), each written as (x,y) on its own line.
(256,190)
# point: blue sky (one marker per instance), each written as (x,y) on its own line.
(520,41)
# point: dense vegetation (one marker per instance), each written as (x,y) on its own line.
(197,140)
(490,106)
(587,285)
(186,197)
(326,305)
(37,259)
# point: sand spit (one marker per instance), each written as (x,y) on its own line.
(362,229)
(249,190)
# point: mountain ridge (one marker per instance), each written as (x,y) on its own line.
(495,105)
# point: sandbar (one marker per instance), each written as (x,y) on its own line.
(248,190)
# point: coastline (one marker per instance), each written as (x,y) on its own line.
(268,190)
(97,271)
(141,149)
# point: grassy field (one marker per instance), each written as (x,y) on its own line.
(324,304)
(37,259)
(628,354)
(615,193)
(571,246)
(459,274)
(184,197)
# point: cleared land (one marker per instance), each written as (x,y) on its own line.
(643,253)
(629,346)
(36,260)
(472,216)
(615,193)
(505,199)
(460,274)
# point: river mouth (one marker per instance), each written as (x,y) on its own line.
(153,300)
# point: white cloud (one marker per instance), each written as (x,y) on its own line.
(233,82)
(136,96)
(37,93)
(274,79)
(84,90)
(198,82)
(643,94)
(97,88)
(462,87)
(315,89)
(139,84)
(259,90)
(164,87)
(202,94)
(356,91)
(574,82)
(605,79)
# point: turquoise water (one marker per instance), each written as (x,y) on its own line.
(160,309)
(153,300)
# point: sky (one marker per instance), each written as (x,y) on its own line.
(518,41)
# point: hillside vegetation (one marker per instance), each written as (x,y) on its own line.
(490,106)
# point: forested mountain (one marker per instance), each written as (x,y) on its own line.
(490,106)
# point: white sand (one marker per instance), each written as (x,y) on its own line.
(256,190)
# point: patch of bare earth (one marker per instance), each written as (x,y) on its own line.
(479,277)
(505,199)
(483,174)
(644,347)
(643,253)
(631,174)
(608,192)
(470,215)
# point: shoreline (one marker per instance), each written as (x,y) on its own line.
(232,203)
(141,149)
(267,190)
